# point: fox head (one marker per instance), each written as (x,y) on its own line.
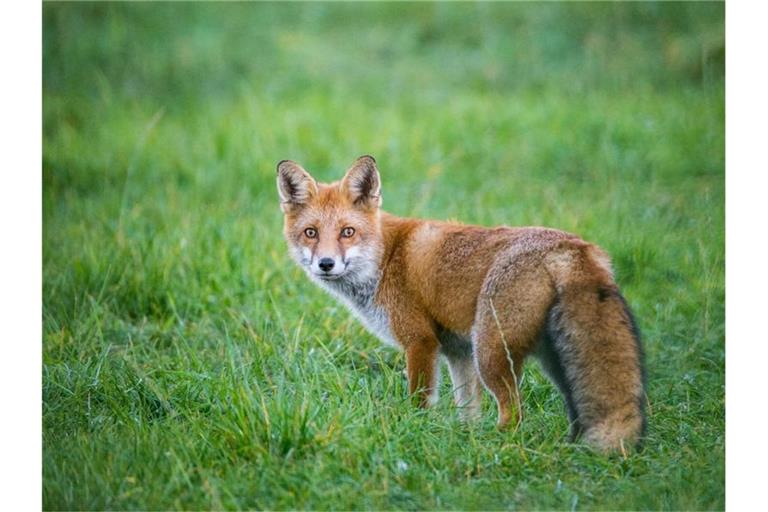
(333,230)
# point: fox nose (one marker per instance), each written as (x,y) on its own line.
(325,264)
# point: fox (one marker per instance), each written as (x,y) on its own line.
(481,299)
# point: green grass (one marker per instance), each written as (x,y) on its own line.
(188,364)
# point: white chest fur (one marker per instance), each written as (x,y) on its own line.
(359,299)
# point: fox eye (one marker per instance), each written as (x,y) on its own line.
(310,233)
(347,232)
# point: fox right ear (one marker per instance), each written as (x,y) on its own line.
(362,182)
(294,185)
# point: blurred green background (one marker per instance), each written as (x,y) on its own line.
(188,364)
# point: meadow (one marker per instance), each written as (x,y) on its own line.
(189,364)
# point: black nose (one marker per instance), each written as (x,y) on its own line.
(325,264)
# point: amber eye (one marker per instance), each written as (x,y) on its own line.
(310,233)
(347,232)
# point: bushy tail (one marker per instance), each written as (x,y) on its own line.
(592,350)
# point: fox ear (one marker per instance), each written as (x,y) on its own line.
(294,185)
(362,182)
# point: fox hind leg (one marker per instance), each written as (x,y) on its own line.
(510,313)
(501,376)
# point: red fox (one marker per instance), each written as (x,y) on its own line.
(483,298)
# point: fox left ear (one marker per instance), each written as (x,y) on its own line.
(294,185)
(362,182)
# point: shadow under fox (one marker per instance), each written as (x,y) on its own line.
(483,298)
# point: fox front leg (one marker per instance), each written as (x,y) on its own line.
(421,364)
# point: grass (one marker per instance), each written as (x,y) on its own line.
(188,364)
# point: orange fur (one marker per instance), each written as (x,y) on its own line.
(484,298)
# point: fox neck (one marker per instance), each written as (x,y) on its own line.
(356,291)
